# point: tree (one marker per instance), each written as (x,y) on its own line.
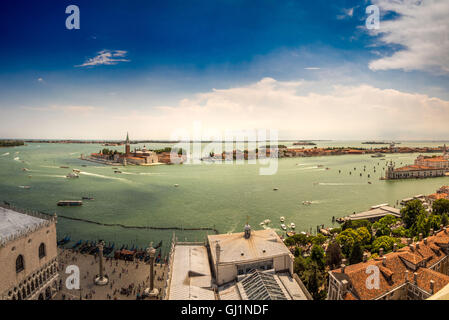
(319,239)
(444,219)
(346,239)
(333,255)
(384,242)
(440,206)
(422,225)
(411,211)
(356,254)
(364,235)
(317,256)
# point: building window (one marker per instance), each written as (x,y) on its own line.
(19,263)
(41,251)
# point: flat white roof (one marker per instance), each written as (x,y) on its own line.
(191,277)
(12,222)
(377,212)
(261,244)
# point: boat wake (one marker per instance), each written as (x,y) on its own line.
(102,176)
(49,175)
(5,154)
(339,184)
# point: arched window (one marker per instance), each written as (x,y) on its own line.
(42,251)
(19,263)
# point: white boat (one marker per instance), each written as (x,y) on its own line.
(24,187)
(275,189)
(307,202)
(292,225)
(262,223)
(72,175)
(176,185)
(282,219)
(283,227)
(266,221)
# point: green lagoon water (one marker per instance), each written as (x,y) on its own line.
(215,195)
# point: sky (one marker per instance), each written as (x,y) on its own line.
(308,69)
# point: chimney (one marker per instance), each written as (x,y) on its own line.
(425,240)
(441,226)
(384,261)
(432,286)
(365,257)
(420,236)
(417,245)
(381,252)
(406,275)
(409,240)
(415,277)
(445,230)
(343,265)
(431,232)
(395,247)
(412,247)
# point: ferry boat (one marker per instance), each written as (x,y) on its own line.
(283,227)
(70,203)
(292,225)
(282,219)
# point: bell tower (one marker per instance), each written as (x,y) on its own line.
(127,145)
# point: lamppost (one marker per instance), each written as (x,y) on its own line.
(152,291)
(101,279)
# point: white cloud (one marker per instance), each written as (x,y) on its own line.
(298,109)
(422,29)
(106,57)
(345,112)
(40,80)
(347,13)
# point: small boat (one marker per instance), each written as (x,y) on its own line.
(77,244)
(282,219)
(267,221)
(83,165)
(262,223)
(292,225)
(377,155)
(117,171)
(25,169)
(24,187)
(72,175)
(70,203)
(290,233)
(64,167)
(87,198)
(76,170)
(176,185)
(369,182)
(283,227)
(275,189)
(307,202)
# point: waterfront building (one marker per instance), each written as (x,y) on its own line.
(374,214)
(251,265)
(413,171)
(28,255)
(414,272)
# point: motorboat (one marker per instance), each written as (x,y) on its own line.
(72,175)
(283,227)
(282,219)
(307,202)
(292,225)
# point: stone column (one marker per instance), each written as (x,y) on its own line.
(101,279)
(153,292)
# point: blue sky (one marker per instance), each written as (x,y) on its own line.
(131,61)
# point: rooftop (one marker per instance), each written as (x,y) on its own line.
(13,223)
(235,248)
(191,277)
(393,269)
(375,213)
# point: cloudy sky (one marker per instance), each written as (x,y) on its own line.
(309,69)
